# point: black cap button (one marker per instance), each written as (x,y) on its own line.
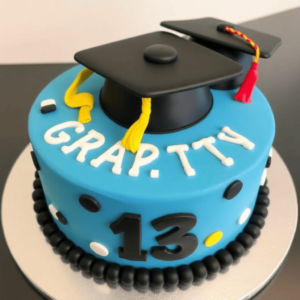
(160,54)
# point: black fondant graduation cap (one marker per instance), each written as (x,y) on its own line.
(183,66)
(206,29)
(164,74)
(211,33)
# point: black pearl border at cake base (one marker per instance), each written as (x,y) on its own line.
(170,277)
(105,280)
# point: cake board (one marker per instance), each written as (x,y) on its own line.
(56,280)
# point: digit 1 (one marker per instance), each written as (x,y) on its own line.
(130,226)
(186,242)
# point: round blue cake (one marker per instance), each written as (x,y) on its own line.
(183,204)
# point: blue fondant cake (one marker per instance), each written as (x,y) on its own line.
(152,173)
(65,179)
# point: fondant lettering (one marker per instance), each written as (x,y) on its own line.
(107,156)
(180,223)
(62,136)
(142,161)
(84,145)
(207,143)
(180,149)
(130,226)
(235,138)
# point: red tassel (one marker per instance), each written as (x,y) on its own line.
(246,89)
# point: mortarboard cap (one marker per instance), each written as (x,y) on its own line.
(208,32)
(160,72)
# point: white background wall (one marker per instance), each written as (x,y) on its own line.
(45,31)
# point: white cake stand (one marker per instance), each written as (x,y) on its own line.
(57,280)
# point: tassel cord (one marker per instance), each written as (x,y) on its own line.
(85,101)
(248,40)
(133,137)
(247,87)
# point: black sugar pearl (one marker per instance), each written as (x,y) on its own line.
(75,255)
(264,190)
(253,230)
(263,200)
(257,220)
(37,184)
(185,273)
(199,270)
(236,249)
(245,239)
(40,206)
(113,273)
(65,247)
(50,229)
(224,257)
(86,263)
(212,264)
(142,278)
(171,277)
(127,277)
(260,210)
(36,174)
(56,239)
(38,195)
(157,278)
(99,269)
(44,217)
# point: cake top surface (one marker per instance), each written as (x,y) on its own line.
(205,29)
(158,63)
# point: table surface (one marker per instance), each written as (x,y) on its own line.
(279,80)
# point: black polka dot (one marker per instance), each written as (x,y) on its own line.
(233,189)
(61,218)
(48,108)
(268,164)
(89,203)
(35,161)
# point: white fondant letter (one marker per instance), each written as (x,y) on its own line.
(179,149)
(107,156)
(84,145)
(235,138)
(142,161)
(62,136)
(207,143)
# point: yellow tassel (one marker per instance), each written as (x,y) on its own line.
(83,100)
(133,137)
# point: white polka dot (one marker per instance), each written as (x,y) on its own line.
(53,211)
(154,173)
(271,152)
(263,177)
(244,216)
(99,249)
(48,102)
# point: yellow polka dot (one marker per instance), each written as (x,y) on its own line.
(213,238)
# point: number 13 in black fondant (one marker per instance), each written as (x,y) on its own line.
(186,242)
(130,226)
